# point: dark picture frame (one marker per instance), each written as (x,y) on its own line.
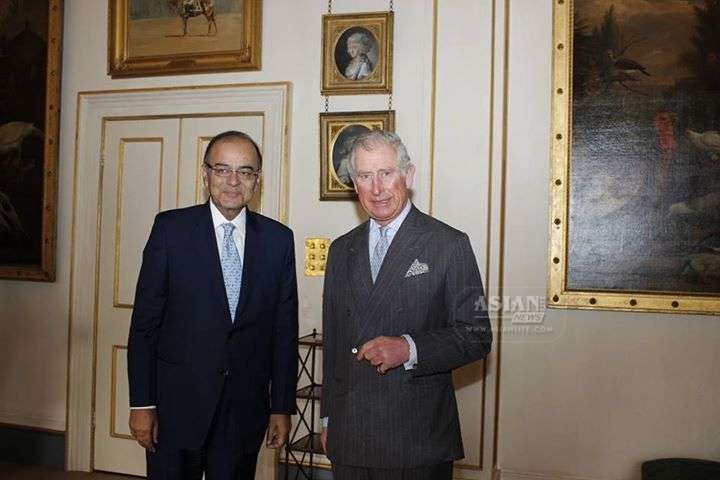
(30,62)
(635,186)
(357,53)
(171,37)
(337,131)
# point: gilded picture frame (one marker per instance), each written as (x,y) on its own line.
(172,37)
(634,223)
(30,62)
(337,131)
(357,53)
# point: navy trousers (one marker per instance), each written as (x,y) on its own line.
(220,457)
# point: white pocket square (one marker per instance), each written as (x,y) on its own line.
(417,268)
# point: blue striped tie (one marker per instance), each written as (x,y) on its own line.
(232,268)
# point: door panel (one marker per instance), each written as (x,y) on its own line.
(140,165)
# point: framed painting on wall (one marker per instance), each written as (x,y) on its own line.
(337,133)
(635,207)
(170,37)
(357,53)
(30,61)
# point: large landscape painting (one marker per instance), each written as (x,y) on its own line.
(644,200)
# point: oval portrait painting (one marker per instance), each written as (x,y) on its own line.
(356,53)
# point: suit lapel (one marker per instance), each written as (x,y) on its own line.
(403,250)
(405,247)
(251,260)
(359,266)
(210,258)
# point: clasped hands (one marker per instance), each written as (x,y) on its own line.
(385,353)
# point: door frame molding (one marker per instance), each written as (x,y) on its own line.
(93,109)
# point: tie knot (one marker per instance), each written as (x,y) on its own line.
(384,231)
(228,228)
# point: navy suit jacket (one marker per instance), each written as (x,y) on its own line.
(183,347)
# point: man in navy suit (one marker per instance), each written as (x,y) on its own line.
(212,350)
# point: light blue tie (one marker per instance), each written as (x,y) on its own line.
(381,248)
(232,268)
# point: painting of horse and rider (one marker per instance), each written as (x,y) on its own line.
(182,36)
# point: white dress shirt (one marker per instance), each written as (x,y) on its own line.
(238,234)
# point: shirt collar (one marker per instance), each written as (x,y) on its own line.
(218,218)
(393,226)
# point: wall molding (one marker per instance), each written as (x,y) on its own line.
(496,215)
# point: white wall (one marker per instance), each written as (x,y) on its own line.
(35,323)
(613,390)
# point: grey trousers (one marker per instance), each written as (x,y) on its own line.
(442,471)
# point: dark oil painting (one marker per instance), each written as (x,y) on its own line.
(645,151)
(23,70)
(341,151)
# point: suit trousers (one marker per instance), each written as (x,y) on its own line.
(441,471)
(219,458)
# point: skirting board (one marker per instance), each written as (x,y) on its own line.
(37,422)
(32,446)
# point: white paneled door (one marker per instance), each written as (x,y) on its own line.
(148,165)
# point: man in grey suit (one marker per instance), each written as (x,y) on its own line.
(402,308)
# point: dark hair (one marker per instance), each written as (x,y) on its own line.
(231,135)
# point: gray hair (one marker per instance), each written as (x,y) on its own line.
(361,39)
(369,140)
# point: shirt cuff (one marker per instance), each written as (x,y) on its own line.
(413,360)
(325,421)
(149,407)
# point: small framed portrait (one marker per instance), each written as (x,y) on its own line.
(357,53)
(170,37)
(337,133)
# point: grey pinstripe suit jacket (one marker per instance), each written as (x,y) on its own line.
(403,418)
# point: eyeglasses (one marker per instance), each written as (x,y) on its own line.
(245,173)
(382,176)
